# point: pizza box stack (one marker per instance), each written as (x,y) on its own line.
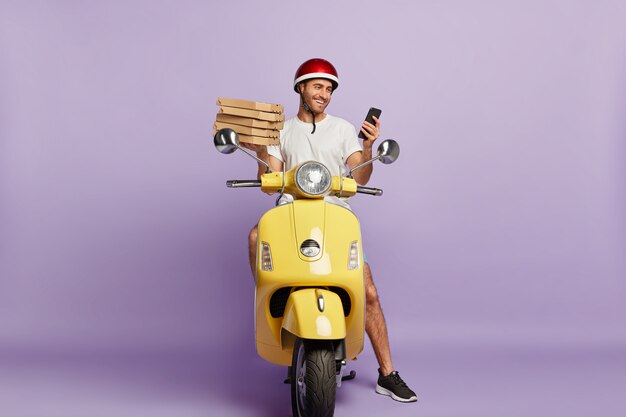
(255,122)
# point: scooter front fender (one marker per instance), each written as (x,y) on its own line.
(313,313)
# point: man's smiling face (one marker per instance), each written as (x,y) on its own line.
(317,93)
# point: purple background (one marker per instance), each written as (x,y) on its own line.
(498,247)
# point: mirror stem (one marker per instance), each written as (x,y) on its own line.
(362,165)
(267,170)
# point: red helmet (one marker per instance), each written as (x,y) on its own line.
(316,68)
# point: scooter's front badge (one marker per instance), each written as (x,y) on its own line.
(323,326)
(310,248)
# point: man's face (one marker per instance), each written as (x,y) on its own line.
(317,93)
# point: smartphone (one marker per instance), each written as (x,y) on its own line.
(373,111)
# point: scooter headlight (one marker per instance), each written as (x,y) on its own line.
(313,179)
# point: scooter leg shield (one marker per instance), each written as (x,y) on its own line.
(313,313)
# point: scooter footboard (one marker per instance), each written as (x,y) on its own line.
(313,313)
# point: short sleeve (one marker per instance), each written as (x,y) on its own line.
(274,150)
(350,143)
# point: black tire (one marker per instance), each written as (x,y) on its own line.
(313,379)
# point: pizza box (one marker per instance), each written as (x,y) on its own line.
(251,105)
(245,121)
(244,130)
(257,140)
(254,114)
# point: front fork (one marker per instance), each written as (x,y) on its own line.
(340,363)
(341,367)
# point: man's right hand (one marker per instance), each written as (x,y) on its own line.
(261,153)
(259,149)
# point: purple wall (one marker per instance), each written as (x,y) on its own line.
(501,221)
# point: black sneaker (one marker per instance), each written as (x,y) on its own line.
(395,387)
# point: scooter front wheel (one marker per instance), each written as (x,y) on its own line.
(313,379)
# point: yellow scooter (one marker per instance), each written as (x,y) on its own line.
(310,296)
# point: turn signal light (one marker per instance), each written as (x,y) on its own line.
(266,257)
(353,256)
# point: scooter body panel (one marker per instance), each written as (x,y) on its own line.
(305,318)
(284,228)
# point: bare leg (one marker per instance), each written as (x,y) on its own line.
(375,325)
(252,238)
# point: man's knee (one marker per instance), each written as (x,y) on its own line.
(371,294)
(252,237)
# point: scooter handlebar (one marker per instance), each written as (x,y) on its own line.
(243,183)
(257,183)
(369,190)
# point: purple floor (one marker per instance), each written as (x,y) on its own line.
(451,381)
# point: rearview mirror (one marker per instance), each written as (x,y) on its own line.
(388,151)
(226,141)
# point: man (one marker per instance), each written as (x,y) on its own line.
(316,135)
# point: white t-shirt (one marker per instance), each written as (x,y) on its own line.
(332,143)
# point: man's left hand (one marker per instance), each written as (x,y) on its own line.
(371,132)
